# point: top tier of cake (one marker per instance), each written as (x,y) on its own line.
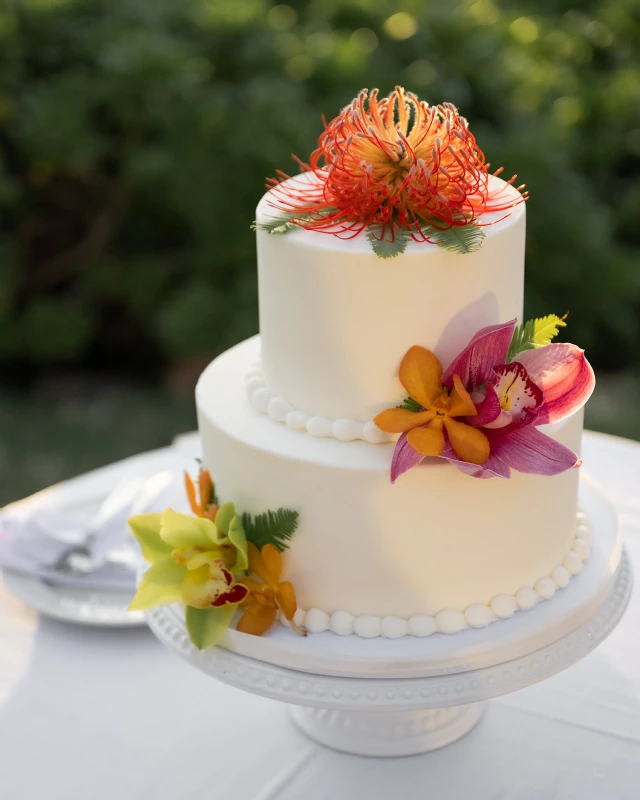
(335,319)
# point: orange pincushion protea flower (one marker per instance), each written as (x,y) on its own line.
(395,166)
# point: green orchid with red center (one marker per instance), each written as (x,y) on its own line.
(194,561)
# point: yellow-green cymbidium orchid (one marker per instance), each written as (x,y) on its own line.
(188,556)
(193,561)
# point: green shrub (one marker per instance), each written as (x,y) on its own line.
(135,137)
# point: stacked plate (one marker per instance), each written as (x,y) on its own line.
(66,550)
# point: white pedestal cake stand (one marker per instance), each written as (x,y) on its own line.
(381,697)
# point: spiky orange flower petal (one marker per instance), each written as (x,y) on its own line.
(397,163)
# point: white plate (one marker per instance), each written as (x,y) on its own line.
(84,605)
(74,605)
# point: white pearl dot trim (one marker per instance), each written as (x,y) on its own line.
(264,401)
(451,620)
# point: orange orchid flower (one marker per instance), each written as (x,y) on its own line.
(264,599)
(421,375)
(204,506)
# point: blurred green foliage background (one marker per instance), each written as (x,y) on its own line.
(135,136)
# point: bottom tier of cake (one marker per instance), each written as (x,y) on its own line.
(436,551)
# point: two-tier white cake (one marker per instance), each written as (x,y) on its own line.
(286,419)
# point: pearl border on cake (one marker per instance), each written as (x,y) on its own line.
(264,401)
(451,620)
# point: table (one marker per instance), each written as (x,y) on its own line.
(97,714)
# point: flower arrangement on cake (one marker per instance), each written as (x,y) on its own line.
(205,562)
(482,413)
(396,169)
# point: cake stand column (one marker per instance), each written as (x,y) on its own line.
(387,733)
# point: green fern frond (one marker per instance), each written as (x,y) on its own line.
(547,328)
(284,221)
(280,224)
(534,333)
(383,246)
(458,239)
(410,404)
(522,339)
(272,527)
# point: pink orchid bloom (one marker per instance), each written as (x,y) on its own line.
(541,386)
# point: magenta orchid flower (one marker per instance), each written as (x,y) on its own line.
(541,386)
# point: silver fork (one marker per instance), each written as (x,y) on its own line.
(80,558)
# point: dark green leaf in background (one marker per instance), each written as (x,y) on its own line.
(136,137)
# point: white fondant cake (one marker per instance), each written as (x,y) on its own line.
(286,420)
(335,320)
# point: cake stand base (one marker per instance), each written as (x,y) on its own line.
(387,733)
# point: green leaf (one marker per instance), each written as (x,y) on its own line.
(146,529)
(547,328)
(385,247)
(534,333)
(206,626)
(280,224)
(272,527)
(522,339)
(458,239)
(410,404)
(284,221)
(56,328)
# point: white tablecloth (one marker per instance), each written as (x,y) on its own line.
(96,714)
